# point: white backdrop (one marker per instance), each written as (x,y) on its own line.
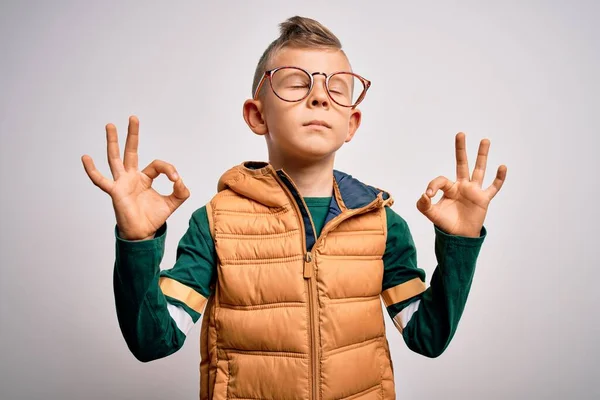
(522,73)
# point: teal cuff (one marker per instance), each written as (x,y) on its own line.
(156,243)
(446,238)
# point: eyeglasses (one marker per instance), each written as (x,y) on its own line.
(293,84)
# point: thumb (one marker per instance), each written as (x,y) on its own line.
(424,204)
(180,194)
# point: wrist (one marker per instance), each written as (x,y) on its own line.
(464,233)
(146,238)
(469,234)
(134,239)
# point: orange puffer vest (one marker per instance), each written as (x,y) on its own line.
(294,316)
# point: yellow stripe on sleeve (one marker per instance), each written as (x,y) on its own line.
(403,291)
(177,290)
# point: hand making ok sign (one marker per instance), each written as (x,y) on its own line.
(463,206)
(139,209)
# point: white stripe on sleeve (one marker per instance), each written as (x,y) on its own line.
(183,320)
(403,317)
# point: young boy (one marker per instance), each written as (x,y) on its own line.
(289,261)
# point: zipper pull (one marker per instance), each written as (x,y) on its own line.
(308,265)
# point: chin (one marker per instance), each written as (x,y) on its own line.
(306,153)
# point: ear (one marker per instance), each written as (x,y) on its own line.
(354,123)
(252,111)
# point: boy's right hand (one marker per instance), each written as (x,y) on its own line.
(140,210)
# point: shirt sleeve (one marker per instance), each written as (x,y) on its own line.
(156,309)
(427,318)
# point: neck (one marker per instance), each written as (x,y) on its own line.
(313,179)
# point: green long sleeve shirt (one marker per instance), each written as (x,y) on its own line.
(155,325)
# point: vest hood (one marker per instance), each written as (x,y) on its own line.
(259,182)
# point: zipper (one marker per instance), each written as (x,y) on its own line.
(308,275)
(309,264)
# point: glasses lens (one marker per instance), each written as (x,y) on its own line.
(345,88)
(290,84)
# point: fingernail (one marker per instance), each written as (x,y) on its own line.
(429,192)
(175,176)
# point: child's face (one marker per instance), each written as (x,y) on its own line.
(290,137)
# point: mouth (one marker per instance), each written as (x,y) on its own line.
(315,122)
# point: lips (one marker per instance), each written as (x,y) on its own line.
(318,123)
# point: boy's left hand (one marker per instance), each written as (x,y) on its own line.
(463,206)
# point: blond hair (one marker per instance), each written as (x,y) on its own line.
(299,32)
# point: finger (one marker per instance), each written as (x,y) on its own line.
(97,178)
(180,194)
(498,182)
(130,157)
(424,205)
(112,150)
(158,167)
(480,164)
(441,182)
(462,165)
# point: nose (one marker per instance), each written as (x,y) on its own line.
(318,96)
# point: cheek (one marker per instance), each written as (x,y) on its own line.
(342,124)
(341,134)
(282,120)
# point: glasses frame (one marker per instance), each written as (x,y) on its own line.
(269,74)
